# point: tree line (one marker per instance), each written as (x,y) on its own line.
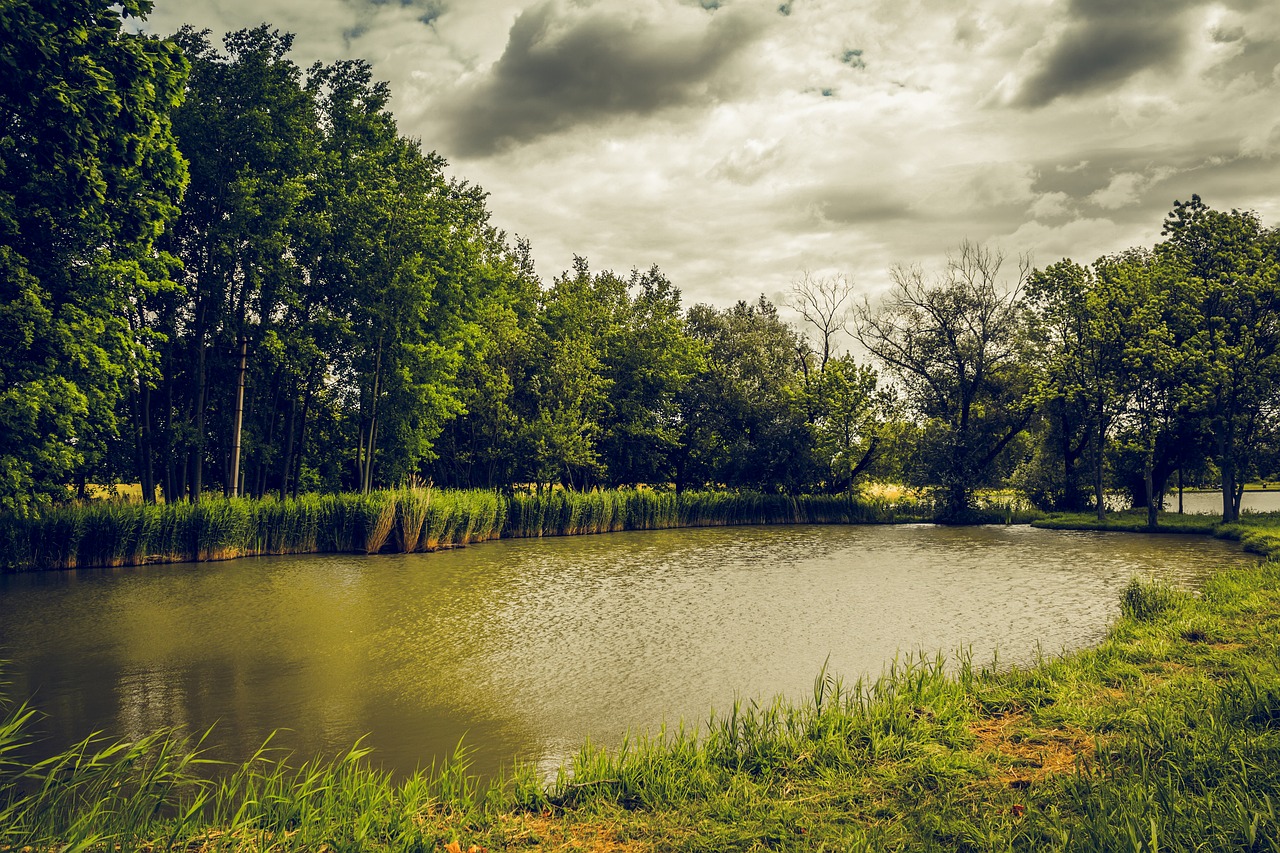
(220,272)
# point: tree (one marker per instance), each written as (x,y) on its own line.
(1161,364)
(1230,263)
(742,417)
(578,316)
(960,349)
(91,177)
(249,131)
(648,361)
(852,417)
(1078,383)
(403,254)
(826,304)
(481,446)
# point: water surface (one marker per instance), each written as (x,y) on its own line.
(527,647)
(1210,503)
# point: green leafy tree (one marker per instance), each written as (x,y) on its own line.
(249,131)
(1229,263)
(743,420)
(569,387)
(403,255)
(1162,367)
(851,423)
(90,177)
(960,349)
(481,446)
(1079,378)
(648,360)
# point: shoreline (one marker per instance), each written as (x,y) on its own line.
(404,521)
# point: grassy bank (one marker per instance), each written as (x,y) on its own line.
(106,534)
(1257,533)
(1164,737)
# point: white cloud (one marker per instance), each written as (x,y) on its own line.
(739,183)
(1050,205)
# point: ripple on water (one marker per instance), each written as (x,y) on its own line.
(530,646)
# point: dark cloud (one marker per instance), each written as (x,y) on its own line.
(1095,168)
(561,69)
(843,205)
(1105,43)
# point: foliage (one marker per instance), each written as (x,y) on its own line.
(91,177)
(393,337)
(961,350)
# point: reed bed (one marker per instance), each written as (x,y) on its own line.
(101,535)
(110,534)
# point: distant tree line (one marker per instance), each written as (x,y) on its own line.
(220,272)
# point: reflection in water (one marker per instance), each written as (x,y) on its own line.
(528,647)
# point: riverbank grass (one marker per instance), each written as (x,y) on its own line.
(111,534)
(1166,736)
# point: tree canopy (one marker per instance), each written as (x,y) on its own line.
(222,272)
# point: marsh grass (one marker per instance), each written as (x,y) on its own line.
(414,503)
(109,534)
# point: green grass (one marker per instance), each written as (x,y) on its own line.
(1164,737)
(1258,533)
(1130,521)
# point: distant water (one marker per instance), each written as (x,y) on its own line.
(1210,503)
(528,647)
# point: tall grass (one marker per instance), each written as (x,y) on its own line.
(108,534)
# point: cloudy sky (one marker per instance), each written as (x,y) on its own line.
(738,143)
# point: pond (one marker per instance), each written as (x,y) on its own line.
(527,647)
(1210,503)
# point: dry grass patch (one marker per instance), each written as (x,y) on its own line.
(1024,754)
(550,834)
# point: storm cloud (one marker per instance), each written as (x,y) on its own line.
(564,67)
(736,146)
(1105,43)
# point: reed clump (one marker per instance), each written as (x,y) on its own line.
(109,534)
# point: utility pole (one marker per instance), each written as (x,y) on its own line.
(235,442)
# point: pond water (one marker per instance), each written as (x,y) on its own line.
(528,647)
(1210,503)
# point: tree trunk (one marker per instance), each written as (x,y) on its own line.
(239,419)
(196,462)
(172,492)
(366,465)
(302,435)
(286,464)
(1099,446)
(1148,478)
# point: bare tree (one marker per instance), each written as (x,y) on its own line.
(958,347)
(826,303)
